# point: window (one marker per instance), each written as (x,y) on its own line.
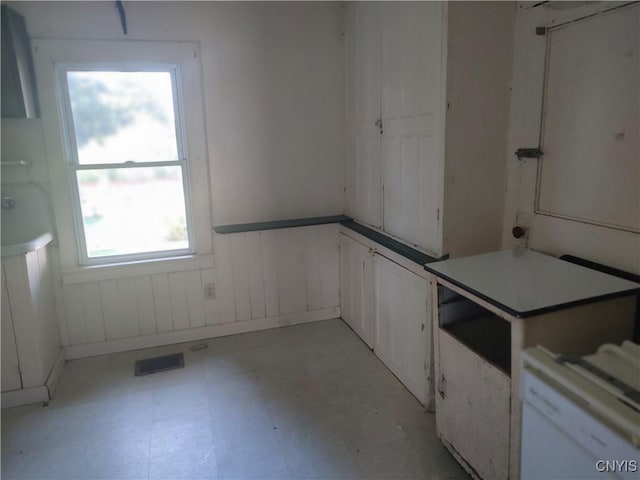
(127,161)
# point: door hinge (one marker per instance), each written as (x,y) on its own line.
(438,215)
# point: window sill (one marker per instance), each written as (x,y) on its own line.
(96,273)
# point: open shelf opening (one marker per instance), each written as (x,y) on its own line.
(480,330)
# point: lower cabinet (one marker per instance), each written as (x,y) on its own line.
(388,306)
(356,287)
(11,379)
(402,329)
(473,400)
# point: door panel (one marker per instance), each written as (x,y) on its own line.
(473,408)
(10,372)
(412,120)
(402,336)
(356,288)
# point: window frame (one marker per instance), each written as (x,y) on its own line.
(73,164)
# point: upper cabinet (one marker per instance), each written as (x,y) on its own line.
(411,163)
(395,119)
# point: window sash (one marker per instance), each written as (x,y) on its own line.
(74,165)
(70,133)
(81,238)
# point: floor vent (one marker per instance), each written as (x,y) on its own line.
(159,364)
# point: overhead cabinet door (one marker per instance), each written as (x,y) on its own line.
(395,119)
(412,122)
(362,37)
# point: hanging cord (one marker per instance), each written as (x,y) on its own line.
(123,16)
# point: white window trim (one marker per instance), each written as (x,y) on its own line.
(52,55)
(74,165)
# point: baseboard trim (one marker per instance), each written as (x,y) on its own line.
(25,396)
(210,331)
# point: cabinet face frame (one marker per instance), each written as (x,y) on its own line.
(563,331)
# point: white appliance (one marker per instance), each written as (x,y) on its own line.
(581,416)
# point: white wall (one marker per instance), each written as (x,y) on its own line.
(480,49)
(272,78)
(273,93)
(557,236)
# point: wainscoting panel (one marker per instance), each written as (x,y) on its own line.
(257,275)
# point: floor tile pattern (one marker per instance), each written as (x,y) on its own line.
(301,402)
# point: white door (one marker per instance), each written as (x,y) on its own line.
(362,174)
(10,371)
(473,401)
(356,292)
(402,328)
(413,122)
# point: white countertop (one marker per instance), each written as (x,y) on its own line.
(525,282)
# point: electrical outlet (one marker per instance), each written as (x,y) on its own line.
(209,290)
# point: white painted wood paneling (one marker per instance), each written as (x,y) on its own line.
(33,310)
(10,370)
(162,302)
(126,291)
(258,275)
(240,273)
(329,272)
(92,311)
(146,312)
(473,408)
(269,271)
(357,293)
(194,288)
(178,296)
(211,306)
(74,314)
(111,309)
(402,327)
(224,272)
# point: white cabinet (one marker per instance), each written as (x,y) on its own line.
(395,119)
(402,324)
(426,116)
(356,281)
(386,302)
(487,309)
(31,355)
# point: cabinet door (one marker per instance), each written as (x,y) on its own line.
(362,179)
(402,334)
(10,371)
(413,121)
(472,407)
(356,292)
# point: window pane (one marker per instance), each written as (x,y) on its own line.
(132,210)
(123,116)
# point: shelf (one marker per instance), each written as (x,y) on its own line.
(277,224)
